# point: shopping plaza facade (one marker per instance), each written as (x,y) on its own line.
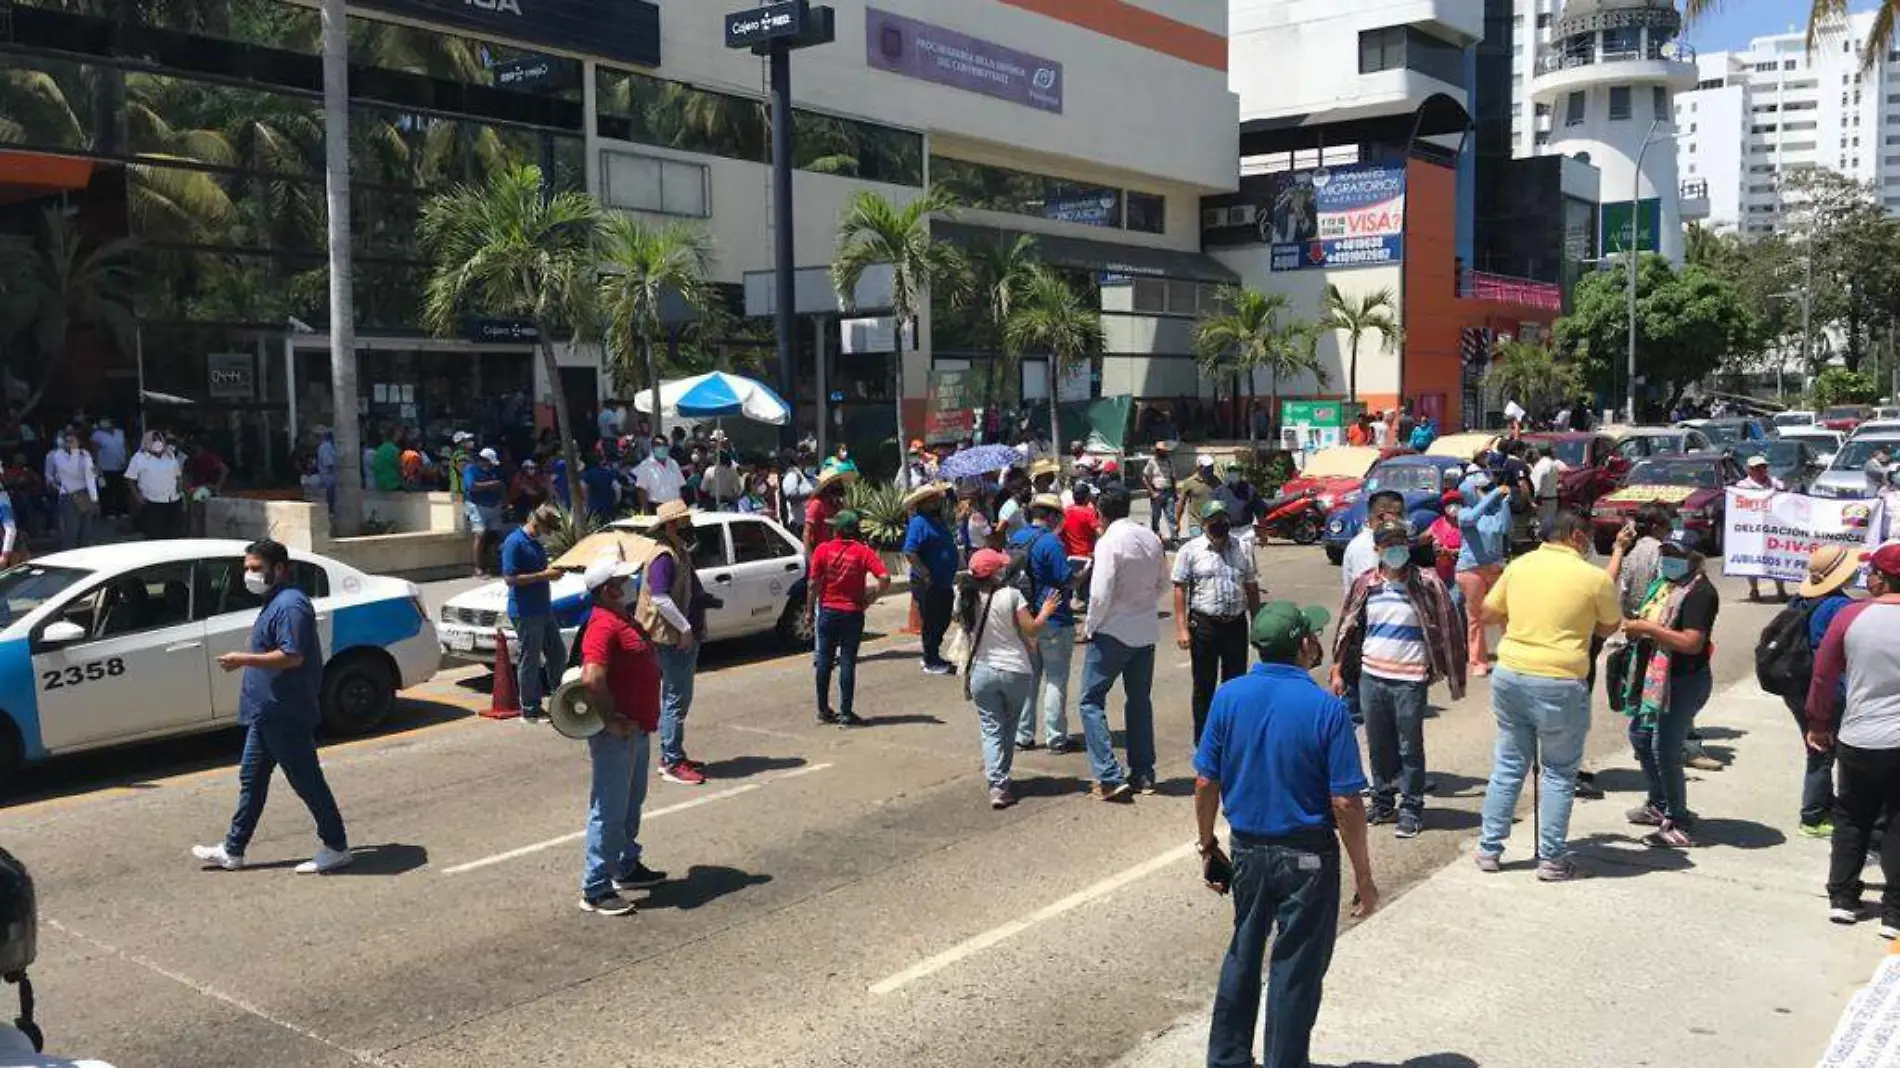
(196,129)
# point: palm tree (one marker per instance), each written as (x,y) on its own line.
(641,264)
(1256,331)
(1826,15)
(501,249)
(336,161)
(1370,313)
(1052,318)
(999,272)
(875,231)
(51,291)
(1533,376)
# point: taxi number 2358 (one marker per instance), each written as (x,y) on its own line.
(60,678)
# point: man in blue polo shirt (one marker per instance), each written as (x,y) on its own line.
(1049,573)
(1279,755)
(277,707)
(525,570)
(482,491)
(931,548)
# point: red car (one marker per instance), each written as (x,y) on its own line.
(1845,417)
(1592,466)
(1337,473)
(1692,486)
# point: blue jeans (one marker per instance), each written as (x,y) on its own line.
(1658,745)
(1161,513)
(271,744)
(1817,778)
(1293,887)
(1106,661)
(1001,700)
(676,699)
(541,648)
(1395,740)
(1535,716)
(614,799)
(1056,644)
(838,635)
(74,525)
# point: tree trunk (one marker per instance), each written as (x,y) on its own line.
(347,432)
(1055,431)
(1352,371)
(653,384)
(1273,418)
(897,385)
(563,427)
(1253,439)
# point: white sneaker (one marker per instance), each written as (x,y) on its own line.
(215,855)
(1889,932)
(326,860)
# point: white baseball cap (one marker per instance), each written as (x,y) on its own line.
(461,435)
(489,455)
(606,567)
(1203,460)
(1758,461)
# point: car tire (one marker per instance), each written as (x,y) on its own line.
(359,691)
(1335,554)
(795,625)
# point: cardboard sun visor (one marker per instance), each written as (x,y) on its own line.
(634,547)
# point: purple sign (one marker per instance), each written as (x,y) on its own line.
(934,54)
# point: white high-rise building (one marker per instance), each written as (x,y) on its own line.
(1759,116)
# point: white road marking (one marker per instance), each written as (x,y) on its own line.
(994,936)
(357,1055)
(767,732)
(703,799)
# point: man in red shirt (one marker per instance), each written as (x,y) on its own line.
(622,676)
(826,502)
(838,571)
(1081,526)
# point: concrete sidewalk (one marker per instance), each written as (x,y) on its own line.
(1718,956)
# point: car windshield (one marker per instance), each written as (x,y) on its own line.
(1574,452)
(1722,433)
(1405,479)
(1823,440)
(28,586)
(1855,454)
(1793,419)
(1676,473)
(1845,413)
(1783,454)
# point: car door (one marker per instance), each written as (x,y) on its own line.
(712,561)
(228,611)
(764,567)
(139,671)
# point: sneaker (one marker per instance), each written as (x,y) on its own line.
(327,860)
(1704,762)
(1587,788)
(1144,784)
(1410,823)
(1118,793)
(1645,815)
(215,856)
(1381,814)
(945,668)
(1062,743)
(1001,798)
(850,719)
(826,715)
(530,719)
(639,878)
(1823,829)
(1489,863)
(1560,871)
(1024,747)
(1670,836)
(1844,913)
(1889,929)
(608,904)
(683,773)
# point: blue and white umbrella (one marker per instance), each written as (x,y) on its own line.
(717,395)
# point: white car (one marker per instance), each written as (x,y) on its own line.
(1876,427)
(118,643)
(1846,476)
(1825,442)
(753,565)
(1794,418)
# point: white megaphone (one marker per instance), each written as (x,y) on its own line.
(574,711)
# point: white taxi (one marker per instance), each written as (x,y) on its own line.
(753,565)
(118,643)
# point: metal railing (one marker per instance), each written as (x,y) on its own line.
(1673,51)
(1695,189)
(1483,285)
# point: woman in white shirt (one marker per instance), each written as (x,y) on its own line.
(1001,672)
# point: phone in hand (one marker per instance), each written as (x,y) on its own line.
(1217,871)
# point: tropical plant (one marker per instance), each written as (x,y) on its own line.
(1687,323)
(882,517)
(504,249)
(573,528)
(1053,319)
(875,231)
(63,285)
(640,264)
(1838,385)
(1533,376)
(1370,313)
(1825,16)
(1255,331)
(999,271)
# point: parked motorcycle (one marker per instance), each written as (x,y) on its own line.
(1296,517)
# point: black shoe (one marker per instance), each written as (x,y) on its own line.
(608,904)
(1024,747)
(1379,814)
(1410,823)
(640,877)
(827,716)
(1062,743)
(850,719)
(1587,788)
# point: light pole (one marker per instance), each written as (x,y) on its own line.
(1806,296)
(1632,248)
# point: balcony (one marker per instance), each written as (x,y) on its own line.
(1693,200)
(1671,64)
(1672,51)
(1506,289)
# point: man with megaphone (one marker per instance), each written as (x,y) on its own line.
(621,674)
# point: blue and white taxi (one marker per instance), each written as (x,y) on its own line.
(118,643)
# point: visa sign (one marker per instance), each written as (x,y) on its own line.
(1336,217)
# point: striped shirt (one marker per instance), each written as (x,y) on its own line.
(1395,643)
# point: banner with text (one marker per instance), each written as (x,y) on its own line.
(950,414)
(1350,216)
(1770,535)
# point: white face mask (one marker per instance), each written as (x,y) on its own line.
(256,583)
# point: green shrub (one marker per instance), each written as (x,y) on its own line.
(881,513)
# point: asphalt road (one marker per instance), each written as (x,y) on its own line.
(838,898)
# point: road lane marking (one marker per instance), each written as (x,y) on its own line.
(206,990)
(996,935)
(703,799)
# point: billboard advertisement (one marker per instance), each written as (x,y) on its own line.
(1351,216)
(1616,226)
(935,54)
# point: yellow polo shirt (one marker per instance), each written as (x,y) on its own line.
(1553,600)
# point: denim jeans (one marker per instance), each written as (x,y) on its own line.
(838,635)
(933,609)
(541,648)
(1395,740)
(1056,649)
(1869,794)
(74,525)
(1217,652)
(618,790)
(1817,777)
(676,699)
(1658,745)
(271,744)
(1161,513)
(1538,718)
(1106,661)
(1293,888)
(1001,700)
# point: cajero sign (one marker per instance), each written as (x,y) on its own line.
(624,30)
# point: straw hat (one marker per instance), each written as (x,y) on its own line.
(923,493)
(836,474)
(671,512)
(1829,568)
(1047,501)
(1045,466)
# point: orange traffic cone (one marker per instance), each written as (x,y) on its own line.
(504,699)
(915,625)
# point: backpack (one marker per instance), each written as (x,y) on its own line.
(1784,657)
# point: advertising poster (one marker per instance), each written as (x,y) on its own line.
(1616,225)
(935,54)
(1770,535)
(1336,217)
(950,412)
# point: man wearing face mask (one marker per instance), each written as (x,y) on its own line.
(1398,633)
(671,610)
(277,707)
(155,480)
(827,502)
(1216,591)
(721,482)
(70,472)
(1194,493)
(658,479)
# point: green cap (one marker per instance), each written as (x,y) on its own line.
(845,520)
(1280,627)
(1212,509)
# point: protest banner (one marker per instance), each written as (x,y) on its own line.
(950,413)
(1769,534)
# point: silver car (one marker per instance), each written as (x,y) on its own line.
(1847,475)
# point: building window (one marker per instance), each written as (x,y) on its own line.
(1040,196)
(1573,109)
(1619,103)
(1764,68)
(1787,64)
(1543,20)
(1381,49)
(1800,105)
(652,184)
(1147,213)
(1621,41)
(1659,100)
(1765,128)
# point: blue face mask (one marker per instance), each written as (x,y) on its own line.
(1395,556)
(660,452)
(1673,568)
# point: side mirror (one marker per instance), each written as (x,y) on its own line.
(61,632)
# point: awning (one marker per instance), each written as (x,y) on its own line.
(1091,255)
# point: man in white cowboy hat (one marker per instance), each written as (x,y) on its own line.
(1760,480)
(1158,476)
(931,548)
(622,677)
(826,501)
(671,611)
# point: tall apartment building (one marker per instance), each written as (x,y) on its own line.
(1759,116)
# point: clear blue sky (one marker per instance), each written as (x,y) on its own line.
(1740,21)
